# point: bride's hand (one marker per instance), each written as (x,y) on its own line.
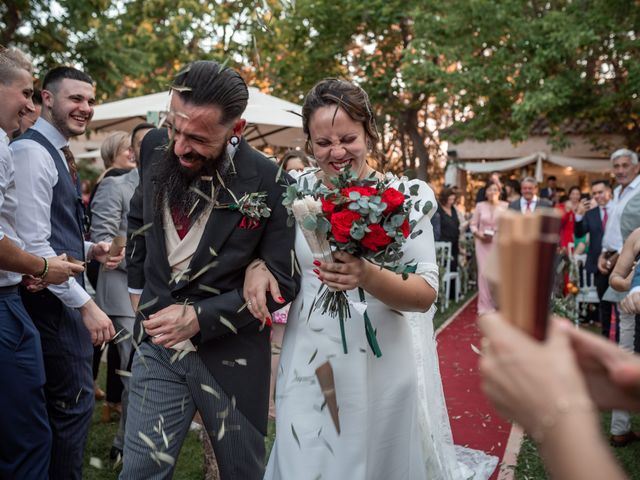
(346,273)
(258,280)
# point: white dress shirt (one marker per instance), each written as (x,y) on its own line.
(8,206)
(36,175)
(612,239)
(532,205)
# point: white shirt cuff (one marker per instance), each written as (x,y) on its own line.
(70,293)
(579,217)
(136,291)
(87,247)
(634,290)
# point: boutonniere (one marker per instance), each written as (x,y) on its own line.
(252,206)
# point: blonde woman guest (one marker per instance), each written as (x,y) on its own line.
(484,225)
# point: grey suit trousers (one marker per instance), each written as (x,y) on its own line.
(163,398)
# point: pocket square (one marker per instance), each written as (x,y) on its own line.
(249,223)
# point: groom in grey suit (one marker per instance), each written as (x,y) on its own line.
(109,210)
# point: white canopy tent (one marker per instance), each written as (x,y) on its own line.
(270,120)
(585,165)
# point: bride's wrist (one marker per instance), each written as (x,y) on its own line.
(368,274)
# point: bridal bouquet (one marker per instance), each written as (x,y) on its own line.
(367,218)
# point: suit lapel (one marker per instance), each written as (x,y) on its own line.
(223,221)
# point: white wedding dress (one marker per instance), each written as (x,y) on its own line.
(393,418)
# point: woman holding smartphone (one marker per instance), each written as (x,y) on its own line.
(484,224)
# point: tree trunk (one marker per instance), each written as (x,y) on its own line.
(12,21)
(419,150)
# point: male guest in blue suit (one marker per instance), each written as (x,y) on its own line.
(50,220)
(593,222)
(25,436)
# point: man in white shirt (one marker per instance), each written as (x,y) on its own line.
(50,220)
(25,436)
(626,169)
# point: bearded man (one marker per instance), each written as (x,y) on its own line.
(190,241)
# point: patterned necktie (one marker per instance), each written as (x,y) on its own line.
(71,163)
(605,217)
(528,209)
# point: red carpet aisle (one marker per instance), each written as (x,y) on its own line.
(474,422)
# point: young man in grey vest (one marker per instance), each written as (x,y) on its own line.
(50,221)
(25,436)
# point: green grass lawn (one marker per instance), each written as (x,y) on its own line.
(530,465)
(441,316)
(189,466)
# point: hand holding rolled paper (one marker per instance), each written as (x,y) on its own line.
(117,244)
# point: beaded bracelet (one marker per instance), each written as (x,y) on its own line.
(563,406)
(45,270)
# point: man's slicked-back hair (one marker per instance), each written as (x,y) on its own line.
(57,74)
(12,60)
(205,82)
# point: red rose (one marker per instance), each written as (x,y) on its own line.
(341,224)
(327,207)
(363,191)
(393,198)
(375,239)
(405,228)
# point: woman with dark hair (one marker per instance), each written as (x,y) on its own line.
(449,224)
(512,188)
(393,421)
(568,209)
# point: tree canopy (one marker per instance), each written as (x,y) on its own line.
(485,69)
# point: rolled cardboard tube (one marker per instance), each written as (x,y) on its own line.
(327,384)
(117,244)
(75,261)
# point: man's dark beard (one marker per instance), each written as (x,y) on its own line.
(179,186)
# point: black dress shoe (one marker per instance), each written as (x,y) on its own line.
(115,453)
(623,440)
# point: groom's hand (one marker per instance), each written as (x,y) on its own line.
(172,325)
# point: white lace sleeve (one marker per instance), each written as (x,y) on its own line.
(421,250)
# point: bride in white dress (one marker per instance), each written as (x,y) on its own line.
(393,419)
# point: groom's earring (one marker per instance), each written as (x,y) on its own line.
(234,141)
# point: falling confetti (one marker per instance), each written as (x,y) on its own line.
(228,324)
(210,390)
(295,436)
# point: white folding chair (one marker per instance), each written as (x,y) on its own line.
(587,289)
(447,275)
